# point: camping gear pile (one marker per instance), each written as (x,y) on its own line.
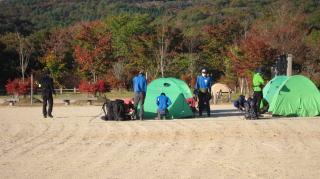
(292,96)
(118,110)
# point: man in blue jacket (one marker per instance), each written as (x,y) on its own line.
(203,90)
(163,103)
(140,89)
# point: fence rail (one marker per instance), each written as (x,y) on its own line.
(57,90)
(62,91)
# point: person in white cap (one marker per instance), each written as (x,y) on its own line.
(203,90)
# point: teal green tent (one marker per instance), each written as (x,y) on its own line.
(272,87)
(296,96)
(177,90)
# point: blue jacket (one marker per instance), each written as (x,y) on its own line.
(163,102)
(140,84)
(240,102)
(203,82)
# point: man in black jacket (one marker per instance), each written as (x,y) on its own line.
(46,84)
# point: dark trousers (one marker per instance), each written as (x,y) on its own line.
(47,99)
(162,114)
(257,97)
(139,100)
(204,103)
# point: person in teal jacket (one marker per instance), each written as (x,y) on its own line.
(163,102)
(258,84)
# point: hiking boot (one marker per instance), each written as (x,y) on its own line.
(50,116)
(44,116)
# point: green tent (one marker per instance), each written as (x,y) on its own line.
(296,96)
(272,86)
(177,90)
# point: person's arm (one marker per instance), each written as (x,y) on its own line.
(169,102)
(195,91)
(52,87)
(145,85)
(158,101)
(261,82)
(210,84)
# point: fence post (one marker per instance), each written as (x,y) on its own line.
(31,95)
(60,90)
(74,90)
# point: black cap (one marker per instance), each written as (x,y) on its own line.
(141,72)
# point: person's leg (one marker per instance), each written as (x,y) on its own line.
(252,110)
(259,98)
(136,102)
(200,96)
(142,98)
(50,101)
(255,101)
(44,105)
(208,103)
(159,116)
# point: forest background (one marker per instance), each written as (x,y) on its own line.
(86,41)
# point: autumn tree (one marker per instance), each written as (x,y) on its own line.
(93,49)
(169,44)
(218,38)
(23,47)
(57,56)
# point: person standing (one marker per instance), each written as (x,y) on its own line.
(46,84)
(140,89)
(258,84)
(203,90)
(163,102)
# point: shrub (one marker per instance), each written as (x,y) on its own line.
(92,88)
(18,86)
(102,86)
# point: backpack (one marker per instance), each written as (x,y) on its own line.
(249,110)
(114,110)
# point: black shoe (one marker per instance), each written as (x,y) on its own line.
(44,116)
(50,116)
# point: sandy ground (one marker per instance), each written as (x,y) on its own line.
(76,143)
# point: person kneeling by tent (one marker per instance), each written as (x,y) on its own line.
(239,104)
(163,103)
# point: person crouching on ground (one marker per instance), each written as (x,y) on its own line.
(163,103)
(239,104)
(203,90)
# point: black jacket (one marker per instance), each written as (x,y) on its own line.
(47,85)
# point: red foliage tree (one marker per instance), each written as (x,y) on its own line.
(93,48)
(92,88)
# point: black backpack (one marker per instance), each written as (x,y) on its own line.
(114,110)
(249,112)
